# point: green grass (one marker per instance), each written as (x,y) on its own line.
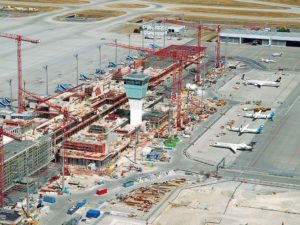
(221,3)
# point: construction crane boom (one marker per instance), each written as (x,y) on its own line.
(19,39)
(57,108)
(148,50)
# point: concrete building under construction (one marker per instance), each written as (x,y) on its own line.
(22,159)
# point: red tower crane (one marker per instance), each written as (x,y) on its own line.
(19,40)
(2,177)
(182,54)
(211,27)
(199,28)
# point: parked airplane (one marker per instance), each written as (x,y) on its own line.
(258,115)
(111,65)
(154,46)
(84,77)
(129,58)
(260,83)
(234,147)
(277,54)
(245,129)
(267,60)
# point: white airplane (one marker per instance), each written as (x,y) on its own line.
(234,147)
(245,129)
(258,115)
(277,54)
(260,83)
(267,60)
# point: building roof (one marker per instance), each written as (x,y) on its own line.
(9,216)
(15,147)
(136,76)
(261,34)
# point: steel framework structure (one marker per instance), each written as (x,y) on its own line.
(182,54)
(66,115)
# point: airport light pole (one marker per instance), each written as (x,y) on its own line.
(100,57)
(10,89)
(116,53)
(270,44)
(76,57)
(129,44)
(153,25)
(47,87)
(164,32)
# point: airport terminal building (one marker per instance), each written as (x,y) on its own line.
(261,37)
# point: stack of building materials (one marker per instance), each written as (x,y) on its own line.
(144,198)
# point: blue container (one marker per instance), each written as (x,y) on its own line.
(81,203)
(152,156)
(72,210)
(49,199)
(93,213)
(128,184)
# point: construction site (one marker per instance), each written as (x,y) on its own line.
(163,113)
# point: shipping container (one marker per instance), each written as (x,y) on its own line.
(152,156)
(128,184)
(49,199)
(102,191)
(92,213)
(72,210)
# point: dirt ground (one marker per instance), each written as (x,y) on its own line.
(221,204)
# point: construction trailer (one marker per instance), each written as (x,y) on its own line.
(160,27)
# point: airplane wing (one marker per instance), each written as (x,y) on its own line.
(259,84)
(249,115)
(244,128)
(258,113)
(234,128)
(233,149)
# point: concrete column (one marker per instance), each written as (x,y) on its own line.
(136,111)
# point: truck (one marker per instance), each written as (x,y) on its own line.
(81,203)
(72,210)
(49,199)
(102,191)
(128,184)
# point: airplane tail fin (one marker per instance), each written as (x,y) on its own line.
(252,143)
(83,77)
(271,115)
(260,129)
(278,80)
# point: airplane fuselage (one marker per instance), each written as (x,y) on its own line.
(233,147)
(263,83)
